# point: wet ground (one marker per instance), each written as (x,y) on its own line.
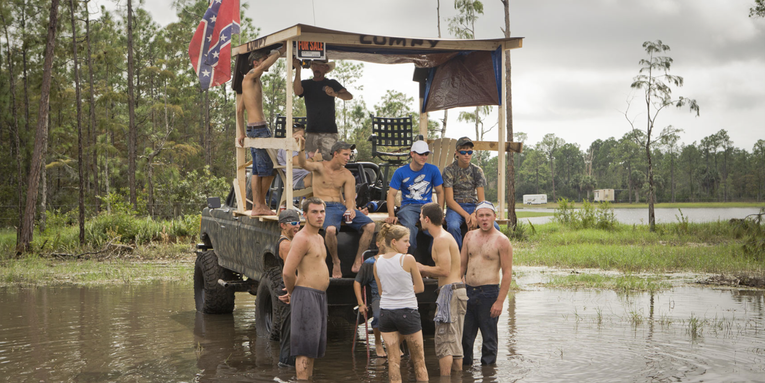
(151,333)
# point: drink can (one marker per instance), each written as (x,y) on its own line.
(347,216)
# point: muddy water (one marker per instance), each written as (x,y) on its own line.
(151,333)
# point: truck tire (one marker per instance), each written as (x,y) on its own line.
(209,296)
(269,310)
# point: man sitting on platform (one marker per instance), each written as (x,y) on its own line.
(301,178)
(416,180)
(464,184)
(335,184)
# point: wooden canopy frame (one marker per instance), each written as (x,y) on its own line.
(370,48)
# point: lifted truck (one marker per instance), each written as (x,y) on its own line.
(239,253)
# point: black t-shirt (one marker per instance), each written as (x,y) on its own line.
(320,108)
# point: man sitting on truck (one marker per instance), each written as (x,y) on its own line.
(464,184)
(307,291)
(416,180)
(301,178)
(335,184)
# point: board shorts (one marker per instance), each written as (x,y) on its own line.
(448,337)
(309,322)
(321,141)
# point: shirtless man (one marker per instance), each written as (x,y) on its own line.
(252,101)
(452,299)
(335,184)
(307,292)
(484,253)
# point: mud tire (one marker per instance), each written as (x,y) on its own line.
(269,310)
(209,296)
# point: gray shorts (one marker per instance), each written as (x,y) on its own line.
(321,141)
(309,322)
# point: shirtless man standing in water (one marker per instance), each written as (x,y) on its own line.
(307,292)
(251,100)
(452,299)
(485,252)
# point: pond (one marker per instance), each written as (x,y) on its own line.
(639,216)
(151,333)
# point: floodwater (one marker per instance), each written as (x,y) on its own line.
(632,216)
(151,333)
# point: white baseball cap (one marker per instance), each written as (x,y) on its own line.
(420,147)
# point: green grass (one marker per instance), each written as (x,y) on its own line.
(33,270)
(621,283)
(664,205)
(531,214)
(703,247)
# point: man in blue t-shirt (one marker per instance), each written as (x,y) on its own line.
(417,180)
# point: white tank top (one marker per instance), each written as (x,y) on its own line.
(397,285)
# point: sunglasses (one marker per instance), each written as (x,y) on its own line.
(293,223)
(463,152)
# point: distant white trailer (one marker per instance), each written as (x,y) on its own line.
(602,195)
(534,199)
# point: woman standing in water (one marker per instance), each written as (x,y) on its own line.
(398,280)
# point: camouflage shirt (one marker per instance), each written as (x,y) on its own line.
(464,181)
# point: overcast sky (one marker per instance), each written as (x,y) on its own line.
(572,77)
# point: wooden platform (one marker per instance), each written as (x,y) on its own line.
(376,217)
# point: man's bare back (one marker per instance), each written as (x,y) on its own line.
(484,256)
(444,244)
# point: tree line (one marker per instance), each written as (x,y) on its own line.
(710,170)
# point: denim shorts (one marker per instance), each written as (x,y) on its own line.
(334,217)
(262,166)
(405,321)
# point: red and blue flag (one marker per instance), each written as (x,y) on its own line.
(210,48)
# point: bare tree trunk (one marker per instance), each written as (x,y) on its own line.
(15,128)
(510,172)
(208,131)
(672,175)
(41,138)
(446,111)
(92,102)
(132,134)
(78,103)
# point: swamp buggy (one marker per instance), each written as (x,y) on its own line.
(238,253)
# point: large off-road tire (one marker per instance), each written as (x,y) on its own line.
(210,297)
(269,310)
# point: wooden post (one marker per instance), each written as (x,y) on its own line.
(502,154)
(241,177)
(423,115)
(288,125)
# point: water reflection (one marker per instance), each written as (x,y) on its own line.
(152,334)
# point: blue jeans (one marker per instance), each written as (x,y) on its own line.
(478,317)
(408,216)
(454,221)
(334,217)
(262,166)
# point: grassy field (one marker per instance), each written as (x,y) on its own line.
(135,250)
(709,248)
(667,205)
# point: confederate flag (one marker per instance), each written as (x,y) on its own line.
(210,48)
